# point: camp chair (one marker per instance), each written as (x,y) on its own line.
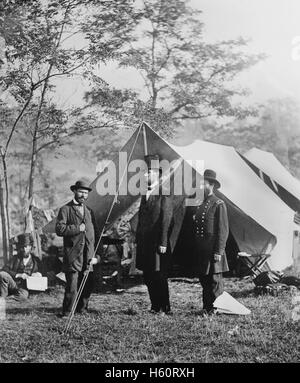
(256,263)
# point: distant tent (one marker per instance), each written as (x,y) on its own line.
(275,175)
(259,221)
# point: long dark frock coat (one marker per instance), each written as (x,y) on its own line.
(155,222)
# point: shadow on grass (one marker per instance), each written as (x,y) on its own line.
(46,310)
(243,293)
(30,310)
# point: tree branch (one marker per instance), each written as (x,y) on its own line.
(61,73)
(75,133)
(198,117)
(182,105)
(17,120)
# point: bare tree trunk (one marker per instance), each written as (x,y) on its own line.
(3,153)
(5,243)
(153,81)
(6,194)
(32,166)
(4,205)
(35,133)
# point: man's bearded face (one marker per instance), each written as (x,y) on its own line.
(25,251)
(81,195)
(153,176)
(208,188)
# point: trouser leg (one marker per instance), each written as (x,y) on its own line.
(86,292)
(206,298)
(150,280)
(7,284)
(21,294)
(217,285)
(213,286)
(158,289)
(163,291)
(70,291)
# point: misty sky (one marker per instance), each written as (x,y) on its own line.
(270,24)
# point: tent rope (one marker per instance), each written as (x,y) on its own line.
(89,269)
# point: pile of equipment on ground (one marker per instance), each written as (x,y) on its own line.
(275,283)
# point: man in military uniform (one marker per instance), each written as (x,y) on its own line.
(210,229)
(21,266)
(152,237)
(76,224)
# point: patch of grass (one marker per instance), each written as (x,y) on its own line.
(120,329)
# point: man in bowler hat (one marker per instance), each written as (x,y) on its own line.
(152,237)
(21,266)
(76,224)
(210,230)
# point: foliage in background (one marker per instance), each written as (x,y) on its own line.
(188,90)
(38,50)
(276,129)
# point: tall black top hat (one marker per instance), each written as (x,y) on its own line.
(24,239)
(81,184)
(211,176)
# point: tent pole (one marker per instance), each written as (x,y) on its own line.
(145,140)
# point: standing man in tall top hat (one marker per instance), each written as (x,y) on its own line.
(153,232)
(210,229)
(76,224)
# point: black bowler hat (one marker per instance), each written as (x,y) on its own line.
(24,239)
(152,161)
(211,175)
(80,185)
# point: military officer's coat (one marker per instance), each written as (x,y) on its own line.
(210,229)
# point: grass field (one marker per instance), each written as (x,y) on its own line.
(120,329)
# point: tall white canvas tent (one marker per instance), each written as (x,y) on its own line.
(273,173)
(259,221)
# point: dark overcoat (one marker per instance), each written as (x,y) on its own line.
(210,230)
(155,223)
(78,246)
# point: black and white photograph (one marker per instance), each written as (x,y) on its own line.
(149,185)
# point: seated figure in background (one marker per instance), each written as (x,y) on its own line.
(51,264)
(22,265)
